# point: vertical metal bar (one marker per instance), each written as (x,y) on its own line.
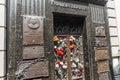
(96,13)
(98,16)
(43,7)
(32,7)
(28,7)
(40,7)
(36,9)
(69,59)
(102,13)
(92,13)
(23,7)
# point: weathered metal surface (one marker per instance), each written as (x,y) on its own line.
(104,76)
(100,31)
(97,14)
(100,42)
(24,67)
(32,30)
(69,5)
(21,67)
(103,66)
(33,7)
(101,54)
(31,52)
(100,2)
(40,69)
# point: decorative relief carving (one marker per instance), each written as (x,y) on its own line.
(68,5)
(32,52)
(103,66)
(100,31)
(32,30)
(100,42)
(101,54)
(40,69)
(32,69)
(33,23)
(104,76)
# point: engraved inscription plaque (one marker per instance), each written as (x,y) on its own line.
(32,52)
(100,31)
(39,69)
(100,42)
(104,76)
(103,66)
(32,30)
(101,54)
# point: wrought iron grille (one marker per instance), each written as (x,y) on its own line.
(68,25)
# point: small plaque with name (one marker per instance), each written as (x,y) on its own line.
(32,52)
(103,66)
(101,54)
(32,30)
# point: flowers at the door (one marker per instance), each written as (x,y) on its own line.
(79,74)
(61,57)
(72,47)
(60,51)
(56,38)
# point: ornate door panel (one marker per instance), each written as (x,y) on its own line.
(69,58)
(68,47)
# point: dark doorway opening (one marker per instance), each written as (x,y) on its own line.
(66,24)
(70,48)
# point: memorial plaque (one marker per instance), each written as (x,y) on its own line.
(39,69)
(32,30)
(104,76)
(100,42)
(100,31)
(32,52)
(103,66)
(101,54)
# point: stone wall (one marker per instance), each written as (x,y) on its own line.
(2,38)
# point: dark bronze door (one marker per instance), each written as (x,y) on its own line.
(68,47)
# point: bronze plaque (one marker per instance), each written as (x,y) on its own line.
(32,30)
(100,42)
(31,52)
(101,54)
(39,69)
(103,66)
(104,76)
(100,31)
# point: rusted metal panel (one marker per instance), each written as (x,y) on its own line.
(32,30)
(97,14)
(100,42)
(40,69)
(103,66)
(33,7)
(31,52)
(101,54)
(100,31)
(104,76)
